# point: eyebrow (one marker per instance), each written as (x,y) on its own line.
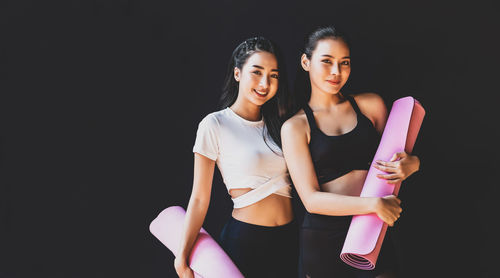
(330,56)
(260,67)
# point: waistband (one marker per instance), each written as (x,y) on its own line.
(242,229)
(326,222)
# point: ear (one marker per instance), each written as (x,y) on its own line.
(305,62)
(237,73)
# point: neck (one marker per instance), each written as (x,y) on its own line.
(324,101)
(246,110)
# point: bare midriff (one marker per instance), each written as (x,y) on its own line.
(349,184)
(274,210)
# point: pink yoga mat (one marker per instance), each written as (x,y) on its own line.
(366,233)
(207,260)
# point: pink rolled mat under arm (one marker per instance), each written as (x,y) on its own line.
(207,259)
(366,232)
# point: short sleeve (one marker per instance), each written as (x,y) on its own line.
(207,138)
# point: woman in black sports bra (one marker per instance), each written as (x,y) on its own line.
(328,146)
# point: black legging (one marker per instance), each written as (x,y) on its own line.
(261,251)
(321,241)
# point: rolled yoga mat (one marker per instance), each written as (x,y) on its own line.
(207,259)
(366,232)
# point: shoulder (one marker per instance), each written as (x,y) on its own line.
(369,101)
(213,120)
(371,104)
(295,125)
(373,107)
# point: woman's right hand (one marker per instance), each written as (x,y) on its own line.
(388,209)
(182,268)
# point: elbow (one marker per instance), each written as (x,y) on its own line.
(309,205)
(310,209)
(199,203)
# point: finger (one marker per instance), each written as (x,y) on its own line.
(386,169)
(388,163)
(398,156)
(391,178)
(394,181)
(394,157)
(388,176)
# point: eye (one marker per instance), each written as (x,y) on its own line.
(276,76)
(326,61)
(346,63)
(257,72)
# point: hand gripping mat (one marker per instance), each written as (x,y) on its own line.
(366,232)
(207,259)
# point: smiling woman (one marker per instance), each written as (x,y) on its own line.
(243,140)
(258,79)
(328,145)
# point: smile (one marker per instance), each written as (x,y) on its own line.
(259,93)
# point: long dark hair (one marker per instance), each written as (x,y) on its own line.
(273,111)
(302,84)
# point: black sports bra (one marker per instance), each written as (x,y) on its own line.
(335,156)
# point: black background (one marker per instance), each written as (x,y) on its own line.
(100,102)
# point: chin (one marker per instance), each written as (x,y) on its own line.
(258,102)
(332,92)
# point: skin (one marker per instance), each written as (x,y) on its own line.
(329,68)
(258,75)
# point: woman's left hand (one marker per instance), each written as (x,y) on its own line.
(400,167)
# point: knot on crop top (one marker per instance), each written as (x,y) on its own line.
(335,156)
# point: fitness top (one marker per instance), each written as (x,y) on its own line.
(335,156)
(243,157)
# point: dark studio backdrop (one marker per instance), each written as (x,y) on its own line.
(100,101)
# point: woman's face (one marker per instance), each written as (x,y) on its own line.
(329,66)
(258,78)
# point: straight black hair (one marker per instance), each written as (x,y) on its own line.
(274,110)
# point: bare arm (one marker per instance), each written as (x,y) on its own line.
(401,165)
(301,168)
(196,211)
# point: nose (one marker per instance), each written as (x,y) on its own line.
(264,83)
(335,68)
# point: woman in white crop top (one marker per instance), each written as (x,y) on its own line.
(243,140)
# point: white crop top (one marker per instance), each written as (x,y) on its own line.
(243,158)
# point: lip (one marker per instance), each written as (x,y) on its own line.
(259,94)
(333,82)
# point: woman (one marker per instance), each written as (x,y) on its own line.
(244,141)
(328,146)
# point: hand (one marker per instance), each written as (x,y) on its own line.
(182,268)
(400,167)
(388,209)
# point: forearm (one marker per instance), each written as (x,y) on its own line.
(195,215)
(333,204)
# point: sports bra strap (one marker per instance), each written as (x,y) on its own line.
(310,117)
(354,105)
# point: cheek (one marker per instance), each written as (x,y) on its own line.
(274,86)
(272,93)
(346,72)
(318,71)
(247,80)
